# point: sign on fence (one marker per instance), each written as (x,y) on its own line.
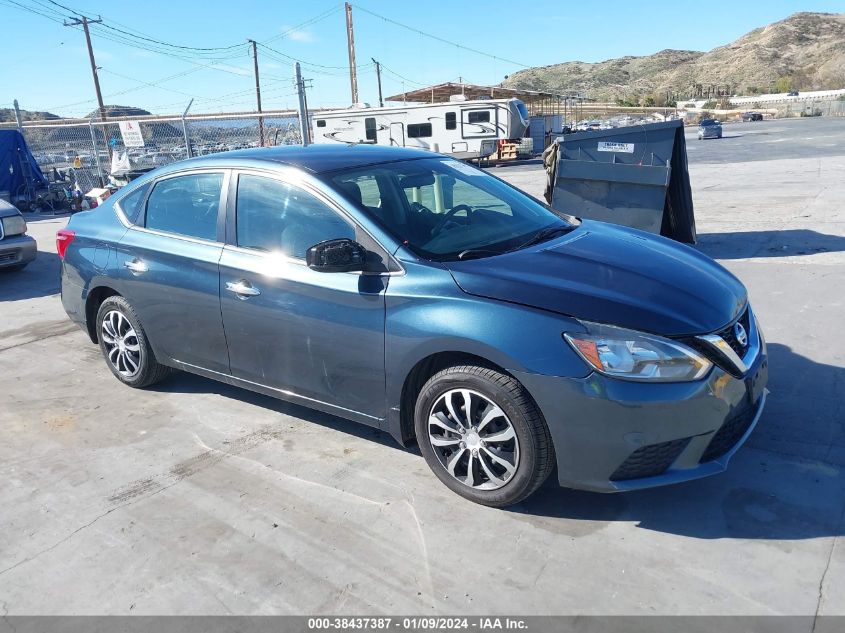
(131,133)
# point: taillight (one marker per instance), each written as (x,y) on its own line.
(63,239)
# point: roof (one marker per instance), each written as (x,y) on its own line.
(441,92)
(314,158)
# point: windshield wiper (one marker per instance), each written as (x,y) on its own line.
(477,253)
(546,234)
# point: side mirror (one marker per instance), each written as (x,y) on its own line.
(336,256)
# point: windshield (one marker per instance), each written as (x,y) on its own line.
(444,210)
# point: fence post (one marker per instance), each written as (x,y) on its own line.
(188,153)
(18,117)
(96,151)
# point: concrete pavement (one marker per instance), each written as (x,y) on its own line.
(196,497)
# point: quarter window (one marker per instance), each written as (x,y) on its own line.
(451,121)
(274,216)
(419,130)
(479,117)
(133,204)
(370,129)
(186,205)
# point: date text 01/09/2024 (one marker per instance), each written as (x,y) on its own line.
(430,623)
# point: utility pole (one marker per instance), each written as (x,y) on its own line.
(85,22)
(378,77)
(350,41)
(303,108)
(257,92)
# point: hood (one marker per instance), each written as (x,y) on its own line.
(614,275)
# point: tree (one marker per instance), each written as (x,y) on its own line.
(783,84)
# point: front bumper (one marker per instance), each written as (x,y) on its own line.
(17,250)
(612,435)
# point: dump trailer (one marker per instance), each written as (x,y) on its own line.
(635,176)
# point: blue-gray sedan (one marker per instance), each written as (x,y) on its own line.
(422,296)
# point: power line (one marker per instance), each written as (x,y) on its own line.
(305,63)
(18,5)
(309,22)
(441,39)
(150,39)
(402,77)
(178,46)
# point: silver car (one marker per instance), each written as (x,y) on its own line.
(17,248)
(709,128)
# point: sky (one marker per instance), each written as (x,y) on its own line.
(46,65)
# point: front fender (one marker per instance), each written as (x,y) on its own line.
(427,314)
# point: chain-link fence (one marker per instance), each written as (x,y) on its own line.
(79,153)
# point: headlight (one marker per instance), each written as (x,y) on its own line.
(633,355)
(14,225)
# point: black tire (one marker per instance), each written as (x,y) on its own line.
(149,370)
(536,457)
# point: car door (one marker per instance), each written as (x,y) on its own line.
(319,337)
(168,261)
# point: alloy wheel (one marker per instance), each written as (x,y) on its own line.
(473,439)
(123,349)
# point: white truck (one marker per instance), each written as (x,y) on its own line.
(460,128)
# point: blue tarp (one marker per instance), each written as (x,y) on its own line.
(14,156)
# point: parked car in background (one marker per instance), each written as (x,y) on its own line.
(794,93)
(752,116)
(709,128)
(17,248)
(425,297)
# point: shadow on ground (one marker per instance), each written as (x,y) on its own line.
(182,382)
(768,243)
(40,278)
(792,487)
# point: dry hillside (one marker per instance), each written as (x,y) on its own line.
(805,51)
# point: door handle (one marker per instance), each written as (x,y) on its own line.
(242,288)
(136,266)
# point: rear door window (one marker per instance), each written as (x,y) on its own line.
(133,204)
(186,205)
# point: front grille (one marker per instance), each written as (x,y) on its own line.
(651,460)
(729,434)
(729,335)
(11,256)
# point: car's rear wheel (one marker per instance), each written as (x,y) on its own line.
(483,435)
(125,346)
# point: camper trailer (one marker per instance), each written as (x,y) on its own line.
(461,128)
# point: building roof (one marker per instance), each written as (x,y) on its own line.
(441,92)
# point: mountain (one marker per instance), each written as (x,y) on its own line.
(806,51)
(118,111)
(8,114)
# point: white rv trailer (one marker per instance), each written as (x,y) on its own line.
(462,129)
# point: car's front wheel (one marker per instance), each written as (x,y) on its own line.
(125,345)
(483,435)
